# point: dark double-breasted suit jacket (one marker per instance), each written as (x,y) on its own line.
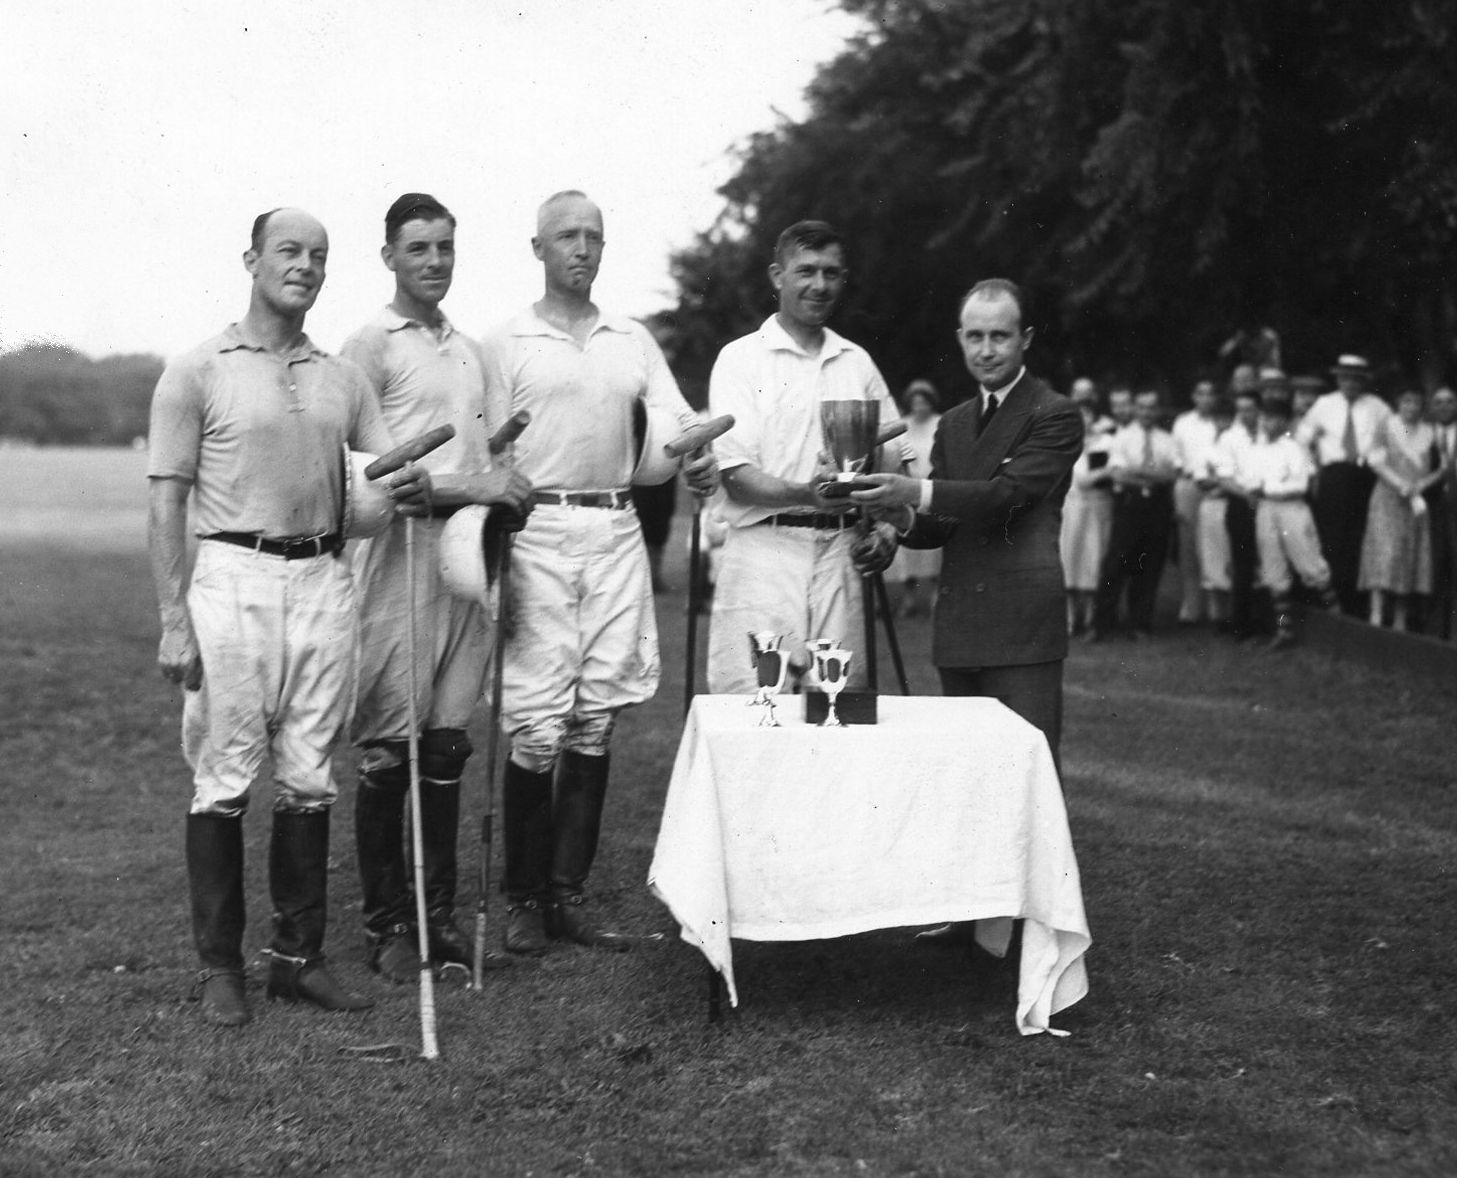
(996,510)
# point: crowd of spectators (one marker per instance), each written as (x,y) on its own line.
(1265,494)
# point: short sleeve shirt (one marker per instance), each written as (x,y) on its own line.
(424,379)
(581,399)
(774,388)
(260,436)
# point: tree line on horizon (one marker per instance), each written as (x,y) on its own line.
(1157,174)
(55,395)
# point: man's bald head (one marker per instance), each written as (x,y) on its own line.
(558,202)
(291,218)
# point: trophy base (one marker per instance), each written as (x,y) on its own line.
(853,707)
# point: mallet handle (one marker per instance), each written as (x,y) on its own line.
(409,452)
(509,432)
(890,433)
(698,436)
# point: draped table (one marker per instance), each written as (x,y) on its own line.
(949,809)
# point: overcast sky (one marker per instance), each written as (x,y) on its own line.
(138,139)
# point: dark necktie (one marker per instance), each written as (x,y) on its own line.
(1348,439)
(988,412)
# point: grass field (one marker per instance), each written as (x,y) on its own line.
(1266,843)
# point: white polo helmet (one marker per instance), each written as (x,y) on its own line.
(368,508)
(654,429)
(462,553)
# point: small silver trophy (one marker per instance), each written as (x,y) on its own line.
(832,666)
(771,666)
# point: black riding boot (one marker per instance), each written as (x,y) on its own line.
(581,792)
(379,832)
(298,876)
(215,879)
(440,827)
(526,818)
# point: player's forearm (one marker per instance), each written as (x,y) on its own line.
(167,545)
(752,487)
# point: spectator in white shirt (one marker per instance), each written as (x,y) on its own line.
(1284,527)
(1232,465)
(1144,466)
(1120,407)
(1212,535)
(1194,434)
(1341,429)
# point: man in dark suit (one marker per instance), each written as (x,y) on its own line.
(1001,465)
(1442,497)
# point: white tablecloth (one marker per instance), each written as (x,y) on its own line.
(948,809)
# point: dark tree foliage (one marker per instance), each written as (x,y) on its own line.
(58,396)
(1156,172)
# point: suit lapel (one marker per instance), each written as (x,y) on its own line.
(988,449)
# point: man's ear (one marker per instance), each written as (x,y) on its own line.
(387,256)
(1027,338)
(536,248)
(250,260)
(776,275)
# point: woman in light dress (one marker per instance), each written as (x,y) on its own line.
(918,568)
(1396,553)
(1087,523)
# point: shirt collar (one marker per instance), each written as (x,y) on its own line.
(1005,391)
(234,338)
(778,340)
(392,320)
(528,322)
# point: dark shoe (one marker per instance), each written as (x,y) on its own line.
(450,946)
(1284,639)
(221,994)
(297,979)
(396,955)
(569,921)
(525,927)
(960,934)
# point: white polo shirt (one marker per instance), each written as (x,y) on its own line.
(580,397)
(423,380)
(774,388)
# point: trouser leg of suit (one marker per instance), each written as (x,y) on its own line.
(1239,520)
(1117,565)
(1343,497)
(1033,691)
(1154,515)
(1187,498)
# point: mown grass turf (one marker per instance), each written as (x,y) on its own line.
(1266,846)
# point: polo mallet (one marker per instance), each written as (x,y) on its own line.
(690,442)
(889,434)
(500,442)
(397,458)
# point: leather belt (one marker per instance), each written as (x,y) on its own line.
(612,500)
(305,548)
(819,519)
